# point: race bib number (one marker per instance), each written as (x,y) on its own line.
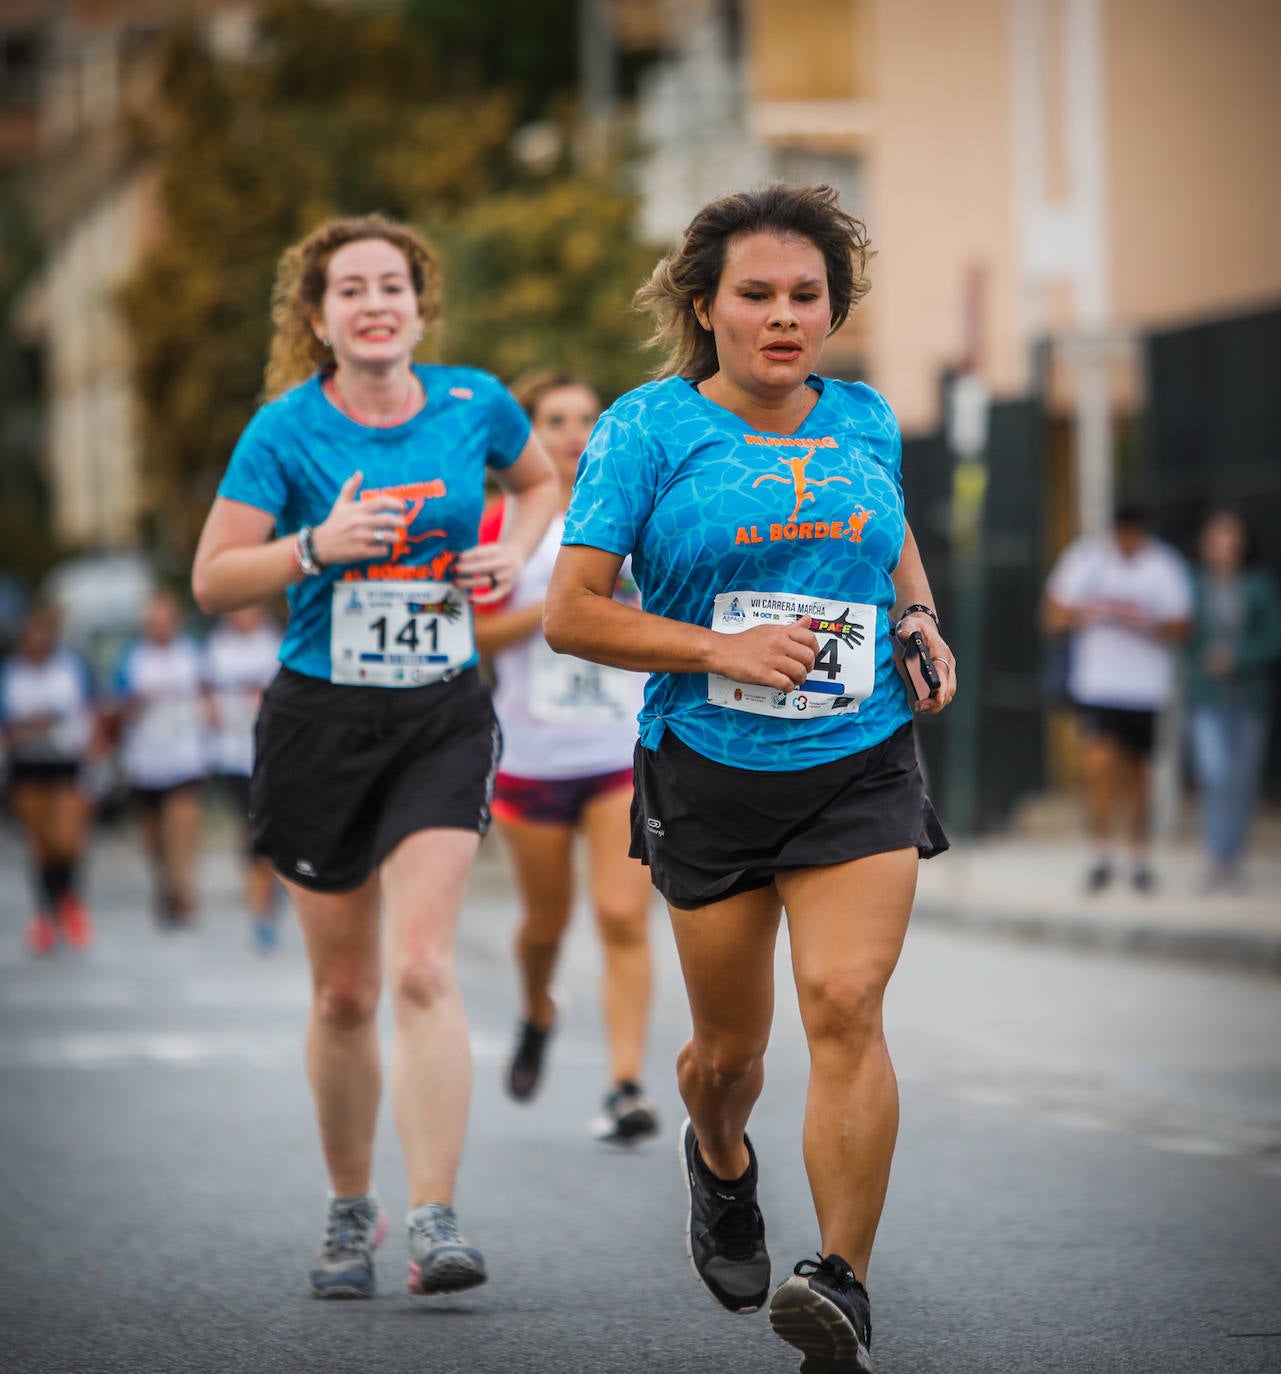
(844,672)
(399,634)
(570,691)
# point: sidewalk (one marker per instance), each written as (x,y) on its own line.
(1029,883)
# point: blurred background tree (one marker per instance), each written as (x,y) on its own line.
(24,516)
(344,112)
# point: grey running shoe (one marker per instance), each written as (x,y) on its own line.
(626,1116)
(345,1266)
(440,1260)
(823,1311)
(725,1237)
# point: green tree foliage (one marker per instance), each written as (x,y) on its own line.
(342,113)
(527,46)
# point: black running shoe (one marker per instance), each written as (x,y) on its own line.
(526,1067)
(823,1311)
(1098,877)
(626,1116)
(725,1237)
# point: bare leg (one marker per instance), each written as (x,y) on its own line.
(621,895)
(1100,763)
(340,931)
(727,957)
(847,924)
(423,881)
(181,818)
(542,856)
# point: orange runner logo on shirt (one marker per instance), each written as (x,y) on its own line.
(801,482)
(415,495)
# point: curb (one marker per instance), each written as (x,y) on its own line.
(1243,950)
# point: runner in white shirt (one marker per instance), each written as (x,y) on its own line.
(1126,600)
(569,729)
(241,656)
(160,702)
(47,720)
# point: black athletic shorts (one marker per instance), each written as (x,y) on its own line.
(708,831)
(149,800)
(235,788)
(1134,731)
(343,774)
(51,773)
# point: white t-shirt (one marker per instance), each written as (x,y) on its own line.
(237,667)
(562,717)
(1113,664)
(163,743)
(58,688)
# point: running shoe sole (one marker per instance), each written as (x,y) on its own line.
(816,1327)
(683,1155)
(450,1273)
(356,1290)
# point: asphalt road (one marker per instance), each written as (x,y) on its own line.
(1088,1174)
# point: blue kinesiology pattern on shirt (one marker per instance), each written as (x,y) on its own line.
(298,450)
(706,505)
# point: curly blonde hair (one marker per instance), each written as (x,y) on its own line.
(692,273)
(299,290)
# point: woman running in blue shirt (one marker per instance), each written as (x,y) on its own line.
(762,508)
(359,488)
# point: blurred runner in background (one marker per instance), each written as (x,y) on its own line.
(47,715)
(240,660)
(569,729)
(159,703)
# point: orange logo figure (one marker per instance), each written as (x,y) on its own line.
(800,484)
(858,518)
(416,494)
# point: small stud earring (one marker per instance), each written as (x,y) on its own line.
(324,341)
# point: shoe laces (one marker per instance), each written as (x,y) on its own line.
(349,1228)
(437,1226)
(737,1226)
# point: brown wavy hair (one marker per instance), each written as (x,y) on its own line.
(692,273)
(530,387)
(300,283)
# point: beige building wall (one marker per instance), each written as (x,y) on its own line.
(939,205)
(1194,157)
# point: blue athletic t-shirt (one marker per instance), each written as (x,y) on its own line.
(299,449)
(705,505)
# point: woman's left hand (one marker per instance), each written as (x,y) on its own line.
(488,572)
(944,661)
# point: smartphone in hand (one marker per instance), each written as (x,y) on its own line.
(922,674)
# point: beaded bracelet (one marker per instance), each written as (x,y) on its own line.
(912,610)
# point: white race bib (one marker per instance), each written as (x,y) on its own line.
(398,634)
(564,690)
(844,672)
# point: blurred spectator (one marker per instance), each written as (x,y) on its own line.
(1235,641)
(46,710)
(1125,599)
(160,705)
(240,660)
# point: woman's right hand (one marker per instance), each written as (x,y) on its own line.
(356,530)
(778,656)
